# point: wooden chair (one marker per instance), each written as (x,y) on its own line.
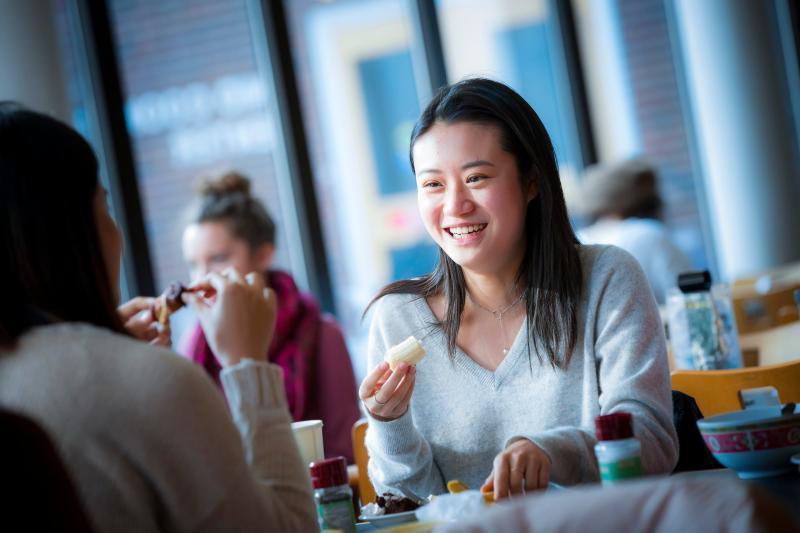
(365,488)
(716,391)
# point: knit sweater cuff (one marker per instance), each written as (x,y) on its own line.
(250,383)
(396,435)
(539,440)
(570,460)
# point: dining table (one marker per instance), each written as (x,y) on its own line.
(783,490)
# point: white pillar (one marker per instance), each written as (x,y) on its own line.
(30,64)
(742,120)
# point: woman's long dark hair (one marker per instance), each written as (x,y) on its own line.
(51,261)
(550,271)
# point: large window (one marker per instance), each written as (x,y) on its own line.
(195,104)
(518,42)
(629,54)
(197,101)
(199,97)
(360,101)
(86,117)
(656,99)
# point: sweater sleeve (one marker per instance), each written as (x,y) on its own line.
(258,404)
(251,479)
(400,459)
(623,329)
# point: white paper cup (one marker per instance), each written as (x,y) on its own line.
(308,435)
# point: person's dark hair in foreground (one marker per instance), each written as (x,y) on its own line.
(50,255)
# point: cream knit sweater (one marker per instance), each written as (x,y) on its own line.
(149,440)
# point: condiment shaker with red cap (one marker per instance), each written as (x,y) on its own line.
(618,451)
(333,494)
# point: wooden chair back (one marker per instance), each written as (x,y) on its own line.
(365,489)
(717,391)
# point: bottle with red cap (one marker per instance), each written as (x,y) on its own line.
(618,451)
(333,494)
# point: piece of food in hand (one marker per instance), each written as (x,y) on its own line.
(409,351)
(488,496)
(170,301)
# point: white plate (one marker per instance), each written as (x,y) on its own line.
(386,520)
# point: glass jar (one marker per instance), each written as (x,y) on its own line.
(702,326)
(333,495)
(618,451)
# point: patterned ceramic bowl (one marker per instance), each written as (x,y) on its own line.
(756,442)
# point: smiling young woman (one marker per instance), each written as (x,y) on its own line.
(471,198)
(473,204)
(529,334)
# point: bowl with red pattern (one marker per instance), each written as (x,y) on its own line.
(756,442)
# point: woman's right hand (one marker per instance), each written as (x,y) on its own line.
(386,394)
(237,315)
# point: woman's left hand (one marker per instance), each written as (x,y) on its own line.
(237,315)
(137,316)
(521,467)
(396,387)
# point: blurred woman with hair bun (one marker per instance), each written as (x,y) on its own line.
(231,228)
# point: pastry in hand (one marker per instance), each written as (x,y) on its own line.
(409,351)
(170,301)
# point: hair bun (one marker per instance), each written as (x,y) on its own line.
(225,184)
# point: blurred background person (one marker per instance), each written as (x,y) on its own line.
(231,228)
(623,200)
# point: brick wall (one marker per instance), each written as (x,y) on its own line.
(190,80)
(664,140)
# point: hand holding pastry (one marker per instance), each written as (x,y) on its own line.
(237,315)
(137,316)
(386,391)
(409,351)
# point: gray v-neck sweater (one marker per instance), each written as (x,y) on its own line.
(462,415)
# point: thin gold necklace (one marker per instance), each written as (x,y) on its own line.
(498,315)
